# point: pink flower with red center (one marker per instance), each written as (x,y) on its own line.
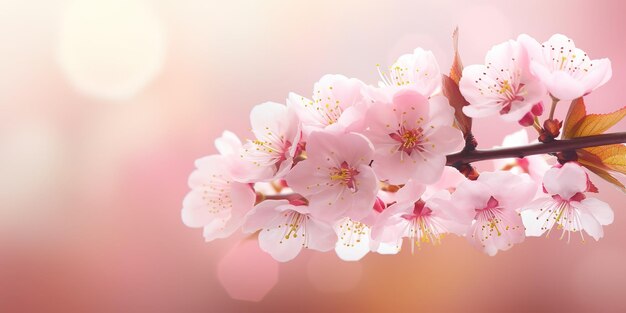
(565,70)
(567,206)
(424,214)
(271,154)
(503,85)
(337,104)
(217,203)
(288,227)
(411,136)
(336,177)
(417,71)
(494,200)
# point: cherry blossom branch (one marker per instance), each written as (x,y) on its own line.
(538,148)
(291,197)
(467,157)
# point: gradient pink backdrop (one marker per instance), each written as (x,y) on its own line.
(100,125)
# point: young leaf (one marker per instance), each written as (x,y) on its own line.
(612,156)
(606,176)
(450,86)
(594,124)
(595,164)
(457,101)
(457,67)
(579,124)
(576,113)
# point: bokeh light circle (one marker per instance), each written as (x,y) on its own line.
(329,274)
(246,272)
(110,49)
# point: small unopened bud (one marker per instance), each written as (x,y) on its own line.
(553,127)
(551,130)
(537,109)
(468,171)
(297,200)
(379,205)
(527,120)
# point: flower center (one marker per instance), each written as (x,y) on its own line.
(562,213)
(409,139)
(294,225)
(491,220)
(352,233)
(510,94)
(345,175)
(422,227)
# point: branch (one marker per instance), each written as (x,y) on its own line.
(539,148)
(470,156)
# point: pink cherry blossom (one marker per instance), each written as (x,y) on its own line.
(503,85)
(566,71)
(216,201)
(423,214)
(337,103)
(533,165)
(336,177)
(494,200)
(277,142)
(412,136)
(358,168)
(418,71)
(566,205)
(287,227)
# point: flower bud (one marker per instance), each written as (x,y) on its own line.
(537,109)
(379,205)
(527,120)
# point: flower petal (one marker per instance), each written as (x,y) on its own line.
(394,167)
(600,210)
(307,178)
(320,236)
(512,191)
(228,144)
(354,240)
(589,223)
(565,181)
(534,218)
(429,168)
(262,214)
(445,140)
(281,248)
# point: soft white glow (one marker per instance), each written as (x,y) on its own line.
(31,163)
(110,49)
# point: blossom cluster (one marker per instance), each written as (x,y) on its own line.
(358,168)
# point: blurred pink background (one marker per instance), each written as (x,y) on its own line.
(104,105)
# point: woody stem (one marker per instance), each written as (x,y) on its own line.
(538,148)
(553,107)
(469,156)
